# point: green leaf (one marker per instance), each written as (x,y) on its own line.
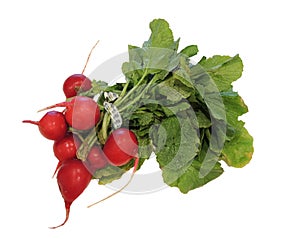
(161,35)
(203,169)
(238,151)
(225,108)
(223,69)
(176,146)
(98,86)
(182,73)
(158,59)
(108,174)
(145,147)
(192,179)
(209,94)
(203,121)
(176,108)
(153,61)
(174,89)
(143,118)
(234,106)
(190,51)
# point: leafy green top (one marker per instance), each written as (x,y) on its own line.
(187,114)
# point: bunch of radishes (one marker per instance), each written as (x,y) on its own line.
(68,129)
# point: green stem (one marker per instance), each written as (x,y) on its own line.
(77,134)
(103,134)
(136,99)
(123,90)
(86,145)
(122,98)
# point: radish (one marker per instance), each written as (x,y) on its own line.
(81,113)
(76,83)
(65,149)
(72,178)
(52,125)
(96,158)
(120,147)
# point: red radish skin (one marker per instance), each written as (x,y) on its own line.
(120,147)
(65,149)
(52,125)
(81,113)
(76,83)
(96,159)
(72,178)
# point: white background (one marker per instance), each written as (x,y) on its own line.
(43,42)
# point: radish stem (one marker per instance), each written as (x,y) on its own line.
(87,60)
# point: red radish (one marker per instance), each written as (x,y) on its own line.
(76,83)
(120,147)
(82,113)
(52,125)
(65,148)
(72,178)
(96,158)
